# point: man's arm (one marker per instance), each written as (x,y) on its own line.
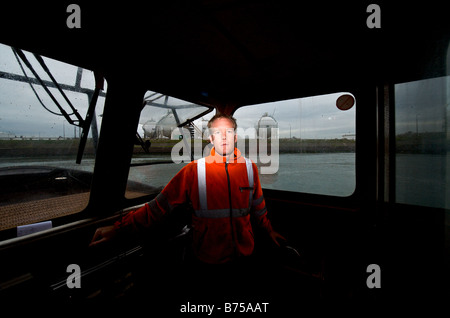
(173,194)
(103,235)
(130,221)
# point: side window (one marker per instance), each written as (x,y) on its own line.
(171,133)
(43,109)
(302,145)
(422,142)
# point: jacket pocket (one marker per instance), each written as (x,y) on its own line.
(242,189)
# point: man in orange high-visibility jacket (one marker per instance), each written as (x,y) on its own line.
(224,190)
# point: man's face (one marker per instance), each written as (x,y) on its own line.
(223,136)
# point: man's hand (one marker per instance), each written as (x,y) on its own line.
(276,236)
(103,235)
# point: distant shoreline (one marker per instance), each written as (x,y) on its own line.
(69,147)
(426,143)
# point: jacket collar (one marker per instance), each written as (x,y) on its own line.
(216,158)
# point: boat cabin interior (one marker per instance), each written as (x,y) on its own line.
(357,96)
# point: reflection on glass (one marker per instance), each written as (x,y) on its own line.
(422,142)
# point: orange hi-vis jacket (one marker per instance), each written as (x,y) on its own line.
(223,200)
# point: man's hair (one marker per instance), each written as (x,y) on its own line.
(218,116)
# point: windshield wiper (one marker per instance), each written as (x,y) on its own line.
(86,123)
(99,83)
(19,53)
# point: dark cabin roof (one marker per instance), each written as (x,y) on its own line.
(232,53)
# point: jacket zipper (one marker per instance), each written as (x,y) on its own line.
(231,208)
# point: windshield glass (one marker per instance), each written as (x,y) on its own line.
(43,113)
(169,132)
(302,145)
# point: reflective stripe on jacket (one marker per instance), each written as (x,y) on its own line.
(223,200)
(203,198)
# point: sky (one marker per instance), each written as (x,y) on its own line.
(21,114)
(315,117)
(421,106)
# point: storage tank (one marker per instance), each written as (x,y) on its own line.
(264,126)
(149,128)
(162,129)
